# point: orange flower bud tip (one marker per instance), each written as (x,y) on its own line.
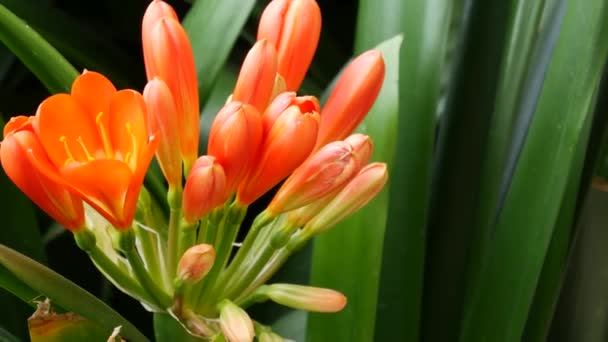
(196,262)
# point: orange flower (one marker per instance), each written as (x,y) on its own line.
(288,143)
(351,98)
(234,140)
(326,170)
(98,144)
(19,147)
(257,76)
(168,55)
(161,119)
(205,188)
(294,27)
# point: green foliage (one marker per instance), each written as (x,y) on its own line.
(492,120)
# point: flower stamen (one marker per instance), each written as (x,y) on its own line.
(70,158)
(84,148)
(104,136)
(133,145)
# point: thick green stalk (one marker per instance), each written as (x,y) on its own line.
(174,198)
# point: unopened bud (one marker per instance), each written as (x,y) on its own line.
(306,298)
(234,139)
(357,193)
(205,188)
(363,147)
(286,146)
(351,98)
(235,323)
(256,80)
(294,27)
(323,172)
(284,100)
(195,263)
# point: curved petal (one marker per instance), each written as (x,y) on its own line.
(127,125)
(130,202)
(16,152)
(103,183)
(61,116)
(17,123)
(93,92)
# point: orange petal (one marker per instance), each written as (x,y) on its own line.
(103,183)
(127,125)
(17,123)
(61,116)
(145,157)
(257,76)
(156,10)
(16,152)
(93,92)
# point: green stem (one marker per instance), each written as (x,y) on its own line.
(227,233)
(248,271)
(174,198)
(295,243)
(150,250)
(119,277)
(161,298)
(250,241)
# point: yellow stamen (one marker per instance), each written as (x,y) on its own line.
(133,145)
(70,159)
(84,148)
(104,136)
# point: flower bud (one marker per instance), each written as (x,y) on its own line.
(294,27)
(234,140)
(306,298)
(281,102)
(357,193)
(329,168)
(363,147)
(196,262)
(17,152)
(235,323)
(168,56)
(351,98)
(205,189)
(287,145)
(156,10)
(161,121)
(256,80)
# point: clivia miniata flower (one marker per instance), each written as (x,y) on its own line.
(234,140)
(205,188)
(168,55)
(97,141)
(19,147)
(351,98)
(285,147)
(256,80)
(294,27)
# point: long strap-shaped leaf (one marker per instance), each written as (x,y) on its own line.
(213,27)
(348,257)
(65,293)
(54,71)
(516,250)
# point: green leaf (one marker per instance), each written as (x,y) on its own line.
(338,261)
(6,336)
(378,20)
(167,329)
(426,24)
(213,27)
(56,73)
(65,293)
(82,44)
(507,279)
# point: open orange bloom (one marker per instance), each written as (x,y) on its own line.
(19,147)
(97,141)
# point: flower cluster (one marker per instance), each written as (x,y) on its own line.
(83,158)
